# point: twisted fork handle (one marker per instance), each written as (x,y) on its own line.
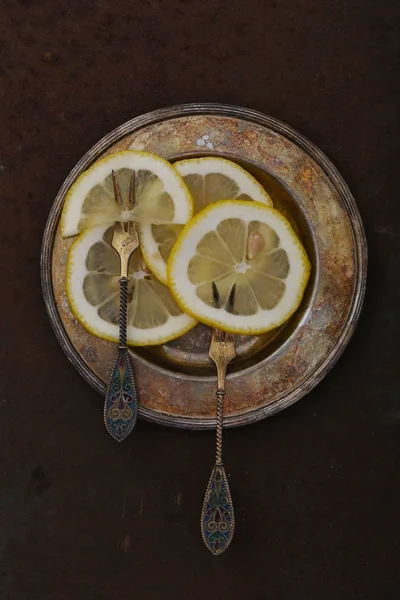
(217,515)
(219,425)
(121,402)
(123,311)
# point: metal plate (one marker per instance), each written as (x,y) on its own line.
(176,381)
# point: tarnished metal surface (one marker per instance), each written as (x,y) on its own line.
(176,381)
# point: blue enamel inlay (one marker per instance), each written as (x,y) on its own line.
(218,518)
(120,410)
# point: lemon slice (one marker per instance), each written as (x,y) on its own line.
(246,244)
(92,285)
(160,194)
(209,179)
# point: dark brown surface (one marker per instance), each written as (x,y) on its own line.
(316,489)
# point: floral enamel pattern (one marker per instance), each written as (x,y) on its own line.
(120,410)
(217,518)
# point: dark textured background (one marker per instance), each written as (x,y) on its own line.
(316,488)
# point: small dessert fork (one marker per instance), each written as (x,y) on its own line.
(120,406)
(217,516)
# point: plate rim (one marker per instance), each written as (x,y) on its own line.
(250,115)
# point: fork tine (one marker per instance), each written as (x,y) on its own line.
(132,225)
(230,338)
(117,189)
(231,299)
(216,333)
(216,296)
(132,191)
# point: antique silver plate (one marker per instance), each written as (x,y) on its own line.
(176,381)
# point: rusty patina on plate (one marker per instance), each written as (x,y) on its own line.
(176,381)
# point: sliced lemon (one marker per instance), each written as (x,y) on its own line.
(243,243)
(209,179)
(160,194)
(92,286)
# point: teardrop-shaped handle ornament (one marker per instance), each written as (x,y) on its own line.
(217,517)
(121,402)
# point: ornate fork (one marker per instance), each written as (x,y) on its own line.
(217,516)
(120,406)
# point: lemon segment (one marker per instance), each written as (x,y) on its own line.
(246,244)
(92,286)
